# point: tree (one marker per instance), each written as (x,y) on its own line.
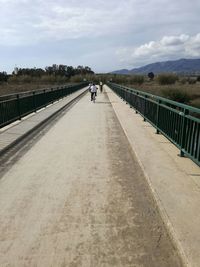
(33,72)
(49,70)
(3,76)
(151,75)
(70,71)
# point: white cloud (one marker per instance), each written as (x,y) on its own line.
(174,40)
(31,21)
(36,21)
(169,47)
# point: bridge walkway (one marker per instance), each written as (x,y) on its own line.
(79,197)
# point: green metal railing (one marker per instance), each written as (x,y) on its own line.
(14,107)
(178,122)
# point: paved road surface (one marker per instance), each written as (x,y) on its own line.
(79,198)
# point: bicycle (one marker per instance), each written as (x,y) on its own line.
(93,97)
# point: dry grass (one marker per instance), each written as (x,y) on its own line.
(193,90)
(6,89)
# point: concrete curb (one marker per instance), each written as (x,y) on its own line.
(162,210)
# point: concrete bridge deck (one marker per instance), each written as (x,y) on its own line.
(80,196)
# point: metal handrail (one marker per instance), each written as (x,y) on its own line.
(149,95)
(15,106)
(178,122)
(14,95)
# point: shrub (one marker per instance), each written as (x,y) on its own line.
(137,79)
(76,79)
(3,77)
(196,103)
(118,78)
(20,79)
(61,79)
(164,79)
(13,79)
(183,81)
(177,95)
(25,79)
(48,79)
(192,80)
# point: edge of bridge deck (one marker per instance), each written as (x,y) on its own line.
(174,181)
(14,133)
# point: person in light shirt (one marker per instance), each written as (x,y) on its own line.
(93,90)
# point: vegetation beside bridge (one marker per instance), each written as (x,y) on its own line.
(183,89)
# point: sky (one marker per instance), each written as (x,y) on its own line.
(105,35)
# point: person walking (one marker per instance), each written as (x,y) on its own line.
(93,90)
(101,86)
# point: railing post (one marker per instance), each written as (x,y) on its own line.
(62,92)
(130,99)
(145,107)
(52,100)
(123,94)
(126,94)
(64,89)
(137,103)
(157,116)
(52,94)
(44,93)
(183,132)
(18,107)
(34,101)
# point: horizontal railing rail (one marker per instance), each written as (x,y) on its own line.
(15,106)
(180,123)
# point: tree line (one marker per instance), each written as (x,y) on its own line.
(54,70)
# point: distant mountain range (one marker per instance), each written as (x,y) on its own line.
(177,66)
